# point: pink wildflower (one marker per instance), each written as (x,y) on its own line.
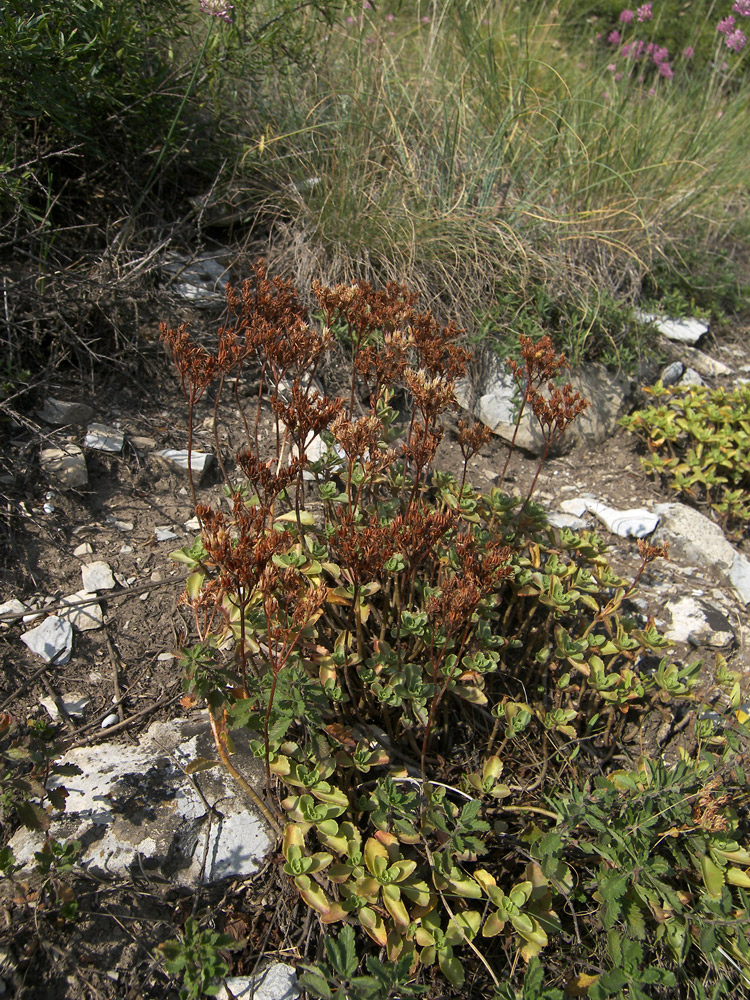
(742,7)
(425,20)
(218,8)
(666,70)
(614,37)
(611,67)
(736,40)
(652,92)
(626,16)
(617,77)
(644,12)
(390,17)
(727,25)
(660,54)
(688,52)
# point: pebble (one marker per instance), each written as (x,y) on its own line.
(52,640)
(100,437)
(86,617)
(84,549)
(74,703)
(97,576)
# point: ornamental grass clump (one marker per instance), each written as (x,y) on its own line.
(414,661)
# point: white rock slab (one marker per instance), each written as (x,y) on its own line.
(178,459)
(277,982)
(706,365)
(686,331)
(695,622)
(136,810)
(672,374)
(86,617)
(100,437)
(84,549)
(560,520)
(699,541)
(67,465)
(61,412)
(52,640)
(97,576)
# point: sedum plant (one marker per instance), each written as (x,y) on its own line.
(401,643)
(699,444)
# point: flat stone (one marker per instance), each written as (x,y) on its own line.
(97,576)
(74,703)
(277,982)
(697,540)
(559,519)
(116,523)
(704,364)
(691,377)
(52,640)
(100,437)
(84,618)
(61,412)
(164,533)
(141,443)
(696,622)
(686,331)
(136,811)
(67,465)
(178,459)
(11,607)
(84,549)
(633,523)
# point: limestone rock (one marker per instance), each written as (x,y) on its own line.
(697,540)
(177,459)
(97,576)
(61,412)
(52,640)
(201,281)
(686,331)
(277,982)
(100,437)
(67,465)
(84,617)
(135,810)
(696,622)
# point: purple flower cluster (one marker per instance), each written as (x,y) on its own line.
(218,8)
(734,37)
(637,49)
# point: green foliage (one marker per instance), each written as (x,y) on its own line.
(699,443)
(196,957)
(29,789)
(337,978)
(378,613)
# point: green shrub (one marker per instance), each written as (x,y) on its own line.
(699,444)
(404,646)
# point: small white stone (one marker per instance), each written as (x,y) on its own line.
(52,640)
(110,720)
(120,525)
(277,982)
(84,549)
(100,437)
(125,550)
(178,459)
(193,524)
(11,607)
(60,412)
(164,533)
(97,576)
(86,617)
(164,657)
